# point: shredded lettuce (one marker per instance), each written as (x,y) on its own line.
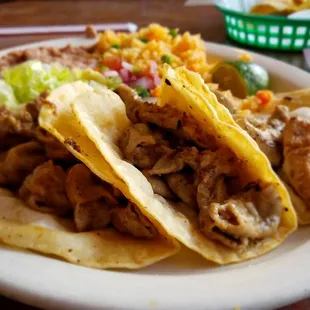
(7,96)
(25,82)
(91,75)
(32,78)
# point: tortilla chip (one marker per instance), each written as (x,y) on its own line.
(273,7)
(48,234)
(279,7)
(188,92)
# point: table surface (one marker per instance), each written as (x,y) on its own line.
(172,13)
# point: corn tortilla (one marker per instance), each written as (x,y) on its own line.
(25,228)
(186,91)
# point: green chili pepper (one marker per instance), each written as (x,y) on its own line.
(142,92)
(166,59)
(174,32)
(117,46)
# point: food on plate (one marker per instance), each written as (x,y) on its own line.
(26,81)
(135,59)
(139,57)
(68,56)
(281,127)
(279,7)
(71,204)
(242,78)
(111,153)
(208,192)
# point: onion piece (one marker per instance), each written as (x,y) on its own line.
(110,73)
(144,82)
(157,80)
(126,65)
(125,75)
(153,67)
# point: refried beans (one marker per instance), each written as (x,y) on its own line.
(68,56)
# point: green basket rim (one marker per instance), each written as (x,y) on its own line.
(257,17)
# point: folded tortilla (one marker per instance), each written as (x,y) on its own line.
(103,117)
(25,228)
(293,104)
(293,99)
(300,206)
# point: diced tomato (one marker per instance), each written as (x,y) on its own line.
(144,72)
(113,62)
(149,71)
(264,96)
(151,36)
(155,92)
(191,67)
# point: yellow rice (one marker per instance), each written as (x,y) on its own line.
(185,49)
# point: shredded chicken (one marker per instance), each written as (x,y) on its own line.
(227,100)
(19,125)
(215,167)
(54,149)
(267,132)
(15,127)
(176,160)
(230,210)
(91,198)
(44,189)
(92,215)
(296,166)
(232,219)
(97,204)
(3,178)
(83,186)
(254,214)
(139,111)
(280,113)
(179,123)
(159,186)
(142,148)
(130,220)
(19,161)
(182,184)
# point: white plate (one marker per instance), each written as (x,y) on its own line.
(185,281)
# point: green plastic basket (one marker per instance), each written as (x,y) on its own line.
(272,32)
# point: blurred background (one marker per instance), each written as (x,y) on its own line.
(186,15)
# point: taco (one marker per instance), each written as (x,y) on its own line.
(282,130)
(199,174)
(67,200)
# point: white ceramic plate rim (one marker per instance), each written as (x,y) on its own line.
(276,279)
